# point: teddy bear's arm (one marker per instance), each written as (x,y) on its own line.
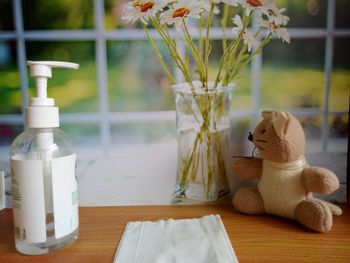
(248,168)
(319,180)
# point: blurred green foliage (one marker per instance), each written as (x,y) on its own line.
(58,14)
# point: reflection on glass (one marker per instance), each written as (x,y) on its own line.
(73,90)
(123,134)
(58,14)
(293,77)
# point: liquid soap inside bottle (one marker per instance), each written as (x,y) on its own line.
(45,201)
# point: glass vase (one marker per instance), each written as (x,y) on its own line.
(203,133)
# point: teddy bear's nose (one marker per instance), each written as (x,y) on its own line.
(250,137)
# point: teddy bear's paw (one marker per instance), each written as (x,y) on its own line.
(320,180)
(336,210)
(248,200)
(247,168)
(315,215)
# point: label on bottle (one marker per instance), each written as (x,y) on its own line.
(2,190)
(28,195)
(65,195)
(28,200)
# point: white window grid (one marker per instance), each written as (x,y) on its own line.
(100,35)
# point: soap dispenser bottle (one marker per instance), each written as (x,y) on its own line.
(44,185)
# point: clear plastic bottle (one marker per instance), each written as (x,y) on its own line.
(44,185)
(28,147)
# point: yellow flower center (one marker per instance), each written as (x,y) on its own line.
(255,3)
(181,12)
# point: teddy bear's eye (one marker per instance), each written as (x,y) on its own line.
(263,131)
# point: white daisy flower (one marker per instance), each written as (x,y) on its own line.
(276,29)
(248,38)
(206,4)
(259,6)
(216,2)
(276,15)
(180,11)
(142,10)
(238,22)
(283,34)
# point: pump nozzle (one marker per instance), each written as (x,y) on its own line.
(41,71)
(41,112)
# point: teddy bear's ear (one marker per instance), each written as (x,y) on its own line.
(280,123)
(268,114)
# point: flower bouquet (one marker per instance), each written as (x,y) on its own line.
(203,104)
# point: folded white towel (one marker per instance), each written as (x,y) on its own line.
(199,240)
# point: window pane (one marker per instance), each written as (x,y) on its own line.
(339,126)
(241,98)
(114,13)
(135,78)
(58,14)
(132,133)
(6,21)
(10,94)
(312,126)
(73,91)
(342,18)
(82,134)
(293,75)
(240,146)
(137,81)
(305,13)
(339,95)
(8,132)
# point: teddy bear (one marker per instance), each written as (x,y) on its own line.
(285,182)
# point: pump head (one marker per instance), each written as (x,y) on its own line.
(41,112)
(41,71)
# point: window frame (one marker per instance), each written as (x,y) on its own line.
(105,118)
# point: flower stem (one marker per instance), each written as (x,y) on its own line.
(173,50)
(159,56)
(207,44)
(200,36)
(224,26)
(187,166)
(231,49)
(244,62)
(195,53)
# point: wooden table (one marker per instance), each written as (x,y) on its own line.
(254,238)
